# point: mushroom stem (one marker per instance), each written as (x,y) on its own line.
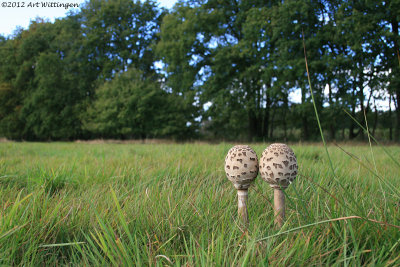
(279,206)
(242,206)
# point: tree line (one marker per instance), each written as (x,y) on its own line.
(212,69)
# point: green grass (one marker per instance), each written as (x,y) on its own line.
(170,204)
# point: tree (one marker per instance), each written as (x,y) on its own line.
(52,69)
(19,55)
(134,106)
(9,100)
(201,47)
(119,34)
(230,67)
(243,57)
(387,17)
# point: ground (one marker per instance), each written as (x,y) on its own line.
(171,204)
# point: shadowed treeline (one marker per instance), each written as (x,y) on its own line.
(204,70)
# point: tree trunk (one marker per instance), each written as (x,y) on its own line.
(362,98)
(286,108)
(332,126)
(395,28)
(252,125)
(265,126)
(397,129)
(271,132)
(375,121)
(332,130)
(390,118)
(352,135)
(305,133)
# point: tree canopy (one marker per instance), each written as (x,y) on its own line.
(224,70)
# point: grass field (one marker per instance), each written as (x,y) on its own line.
(171,204)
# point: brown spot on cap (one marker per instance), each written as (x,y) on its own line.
(285,162)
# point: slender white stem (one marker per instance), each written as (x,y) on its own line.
(279,206)
(242,206)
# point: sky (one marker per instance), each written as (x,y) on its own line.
(12,16)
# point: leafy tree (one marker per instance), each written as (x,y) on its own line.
(119,34)
(19,55)
(387,17)
(8,98)
(51,70)
(200,45)
(243,57)
(49,109)
(133,106)
(230,67)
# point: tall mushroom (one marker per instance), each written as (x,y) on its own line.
(241,168)
(278,167)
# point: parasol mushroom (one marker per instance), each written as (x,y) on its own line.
(278,167)
(241,168)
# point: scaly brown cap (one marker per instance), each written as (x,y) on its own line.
(241,166)
(278,166)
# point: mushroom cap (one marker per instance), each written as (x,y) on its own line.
(278,166)
(241,166)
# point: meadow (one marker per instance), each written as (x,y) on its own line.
(98,204)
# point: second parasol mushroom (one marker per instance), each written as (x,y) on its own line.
(241,168)
(278,167)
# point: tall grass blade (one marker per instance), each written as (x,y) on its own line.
(327,221)
(322,134)
(315,108)
(373,138)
